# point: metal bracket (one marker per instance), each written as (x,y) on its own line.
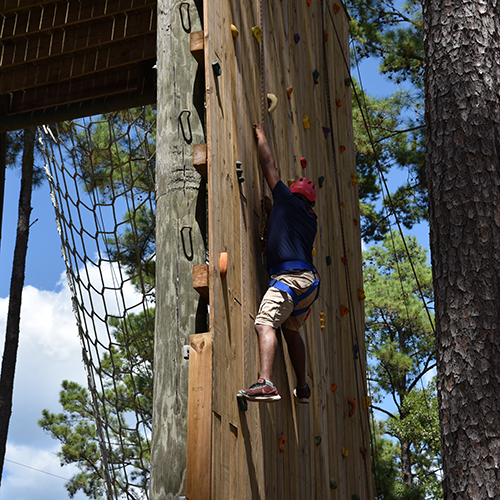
(188,257)
(187,30)
(185,351)
(190,140)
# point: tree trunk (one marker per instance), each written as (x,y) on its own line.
(462,82)
(16,290)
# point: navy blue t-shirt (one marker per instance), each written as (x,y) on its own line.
(291,230)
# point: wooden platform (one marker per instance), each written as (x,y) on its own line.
(236,454)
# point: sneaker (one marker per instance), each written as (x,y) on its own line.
(262,390)
(302,394)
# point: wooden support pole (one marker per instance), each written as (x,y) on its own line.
(200,280)
(200,159)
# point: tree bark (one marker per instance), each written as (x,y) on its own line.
(462,82)
(16,290)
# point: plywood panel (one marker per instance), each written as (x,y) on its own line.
(246,460)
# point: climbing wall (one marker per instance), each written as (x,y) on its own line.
(299,54)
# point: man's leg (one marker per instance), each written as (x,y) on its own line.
(297,351)
(267,350)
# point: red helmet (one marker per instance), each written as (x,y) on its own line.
(306,187)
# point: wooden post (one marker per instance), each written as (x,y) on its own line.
(180,243)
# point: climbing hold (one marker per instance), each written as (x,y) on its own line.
(333,484)
(361,294)
(342,206)
(223,264)
(257,33)
(303,162)
(290,182)
(343,258)
(365,402)
(317,440)
(347,81)
(322,315)
(326,35)
(336,8)
(217,69)
(338,102)
(309,3)
(316,76)
(289,91)
(306,123)
(354,179)
(313,253)
(355,496)
(355,349)
(322,320)
(363,451)
(273,100)
(322,326)
(296,37)
(356,222)
(344,310)
(242,402)
(342,149)
(239,172)
(328,260)
(234,31)
(326,131)
(345,452)
(282,440)
(352,404)
(321,180)
(334,388)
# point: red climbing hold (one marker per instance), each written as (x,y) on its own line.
(303,162)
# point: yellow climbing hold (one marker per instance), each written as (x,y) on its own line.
(290,182)
(322,315)
(306,123)
(273,101)
(354,179)
(361,294)
(345,452)
(365,402)
(342,206)
(313,251)
(257,33)
(234,31)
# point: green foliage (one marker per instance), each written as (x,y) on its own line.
(401,348)
(126,372)
(379,148)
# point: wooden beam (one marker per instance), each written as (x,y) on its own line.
(36,47)
(200,280)
(196,44)
(199,444)
(200,159)
(34,17)
(76,65)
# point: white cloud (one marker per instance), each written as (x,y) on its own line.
(49,352)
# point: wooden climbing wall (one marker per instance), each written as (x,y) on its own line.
(235,454)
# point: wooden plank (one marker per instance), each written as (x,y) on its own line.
(200,159)
(197,45)
(199,443)
(200,280)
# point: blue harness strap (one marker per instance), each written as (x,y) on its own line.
(290,264)
(295,297)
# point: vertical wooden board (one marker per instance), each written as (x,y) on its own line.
(199,445)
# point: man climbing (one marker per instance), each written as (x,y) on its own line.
(294,286)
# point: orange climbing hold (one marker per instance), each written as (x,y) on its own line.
(338,102)
(336,8)
(289,91)
(344,310)
(342,149)
(343,258)
(334,388)
(352,404)
(223,264)
(282,440)
(326,35)
(354,179)
(309,3)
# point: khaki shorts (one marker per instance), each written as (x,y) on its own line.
(277,306)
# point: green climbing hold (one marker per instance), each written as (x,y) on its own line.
(242,402)
(333,484)
(318,440)
(355,496)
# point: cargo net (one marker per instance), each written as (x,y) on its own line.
(101,172)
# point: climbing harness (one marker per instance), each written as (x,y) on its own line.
(279,285)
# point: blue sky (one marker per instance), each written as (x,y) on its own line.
(49,347)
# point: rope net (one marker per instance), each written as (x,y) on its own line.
(101,174)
